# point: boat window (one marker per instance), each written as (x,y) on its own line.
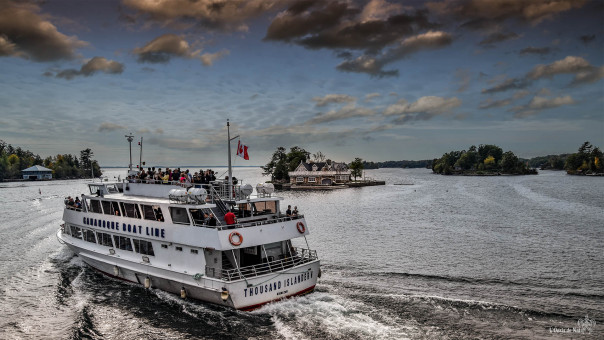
(152,212)
(112,189)
(88,235)
(194,251)
(268,207)
(244,210)
(111,208)
(179,215)
(104,239)
(122,242)
(198,217)
(143,247)
(131,210)
(95,206)
(76,232)
(178,248)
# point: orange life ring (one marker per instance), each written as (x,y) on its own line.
(301,227)
(239,237)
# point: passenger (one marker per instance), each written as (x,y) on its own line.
(212,220)
(166,178)
(230,218)
(78,203)
(295,212)
(288,212)
(71,202)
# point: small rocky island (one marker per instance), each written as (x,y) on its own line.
(486,160)
(295,170)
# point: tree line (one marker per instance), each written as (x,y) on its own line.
(588,160)
(15,159)
(484,159)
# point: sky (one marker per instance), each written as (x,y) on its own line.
(376,79)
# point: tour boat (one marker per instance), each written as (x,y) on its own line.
(155,234)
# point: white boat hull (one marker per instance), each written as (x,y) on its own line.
(244,294)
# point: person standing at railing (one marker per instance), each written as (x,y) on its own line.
(229,218)
(288,212)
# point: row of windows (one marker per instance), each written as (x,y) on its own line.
(149,212)
(121,242)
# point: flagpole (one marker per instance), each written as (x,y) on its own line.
(230,168)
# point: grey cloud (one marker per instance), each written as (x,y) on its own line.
(479,14)
(370,96)
(333,98)
(374,65)
(535,50)
(220,15)
(349,111)
(569,64)
(105,126)
(541,103)
(164,47)
(497,37)
(509,84)
(423,109)
(25,33)
(489,103)
(94,65)
(586,39)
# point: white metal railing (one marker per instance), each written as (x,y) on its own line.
(261,222)
(300,256)
(318,173)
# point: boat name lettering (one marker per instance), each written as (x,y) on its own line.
(128,228)
(277,285)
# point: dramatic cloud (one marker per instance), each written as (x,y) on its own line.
(584,73)
(348,111)
(25,33)
(94,65)
(164,47)
(333,98)
(489,103)
(478,14)
(541,103)
(369,97)
(586,39)
(535,50)
(214,14)
(497,37)
(423,109)
(373,65)
(110,127)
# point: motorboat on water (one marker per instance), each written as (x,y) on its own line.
(157,234)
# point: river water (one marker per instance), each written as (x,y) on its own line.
(439,257)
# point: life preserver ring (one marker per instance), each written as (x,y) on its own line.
(301,227)
(239,238)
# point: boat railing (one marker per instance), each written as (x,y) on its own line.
(261,222)
(299,256)
(216,189)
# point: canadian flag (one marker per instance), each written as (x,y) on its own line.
(242,151)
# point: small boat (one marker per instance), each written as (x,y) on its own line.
(158,235)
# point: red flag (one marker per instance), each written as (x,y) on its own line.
(242,151)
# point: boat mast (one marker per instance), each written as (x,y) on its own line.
(130,139)
(140,159)
(230,168)
(230,188)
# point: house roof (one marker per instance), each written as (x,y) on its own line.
(320,165)
(37,168)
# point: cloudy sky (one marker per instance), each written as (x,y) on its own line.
(376,79)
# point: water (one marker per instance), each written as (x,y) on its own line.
(444,258)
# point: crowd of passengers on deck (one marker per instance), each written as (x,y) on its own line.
(174,175)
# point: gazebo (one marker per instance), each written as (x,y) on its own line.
(37,172)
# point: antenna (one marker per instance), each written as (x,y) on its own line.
(130,139)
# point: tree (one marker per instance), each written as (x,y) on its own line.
(318,157)
(276,167)
(85,159)
(509,162)
(356,168)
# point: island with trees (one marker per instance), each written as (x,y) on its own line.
(66,166)
(587,161)
(480,161)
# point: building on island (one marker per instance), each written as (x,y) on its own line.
(37,172)
(322,173)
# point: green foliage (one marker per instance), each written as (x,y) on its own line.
(588,160)
(484,160)
(356,168)
(281,163)
(13,160)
